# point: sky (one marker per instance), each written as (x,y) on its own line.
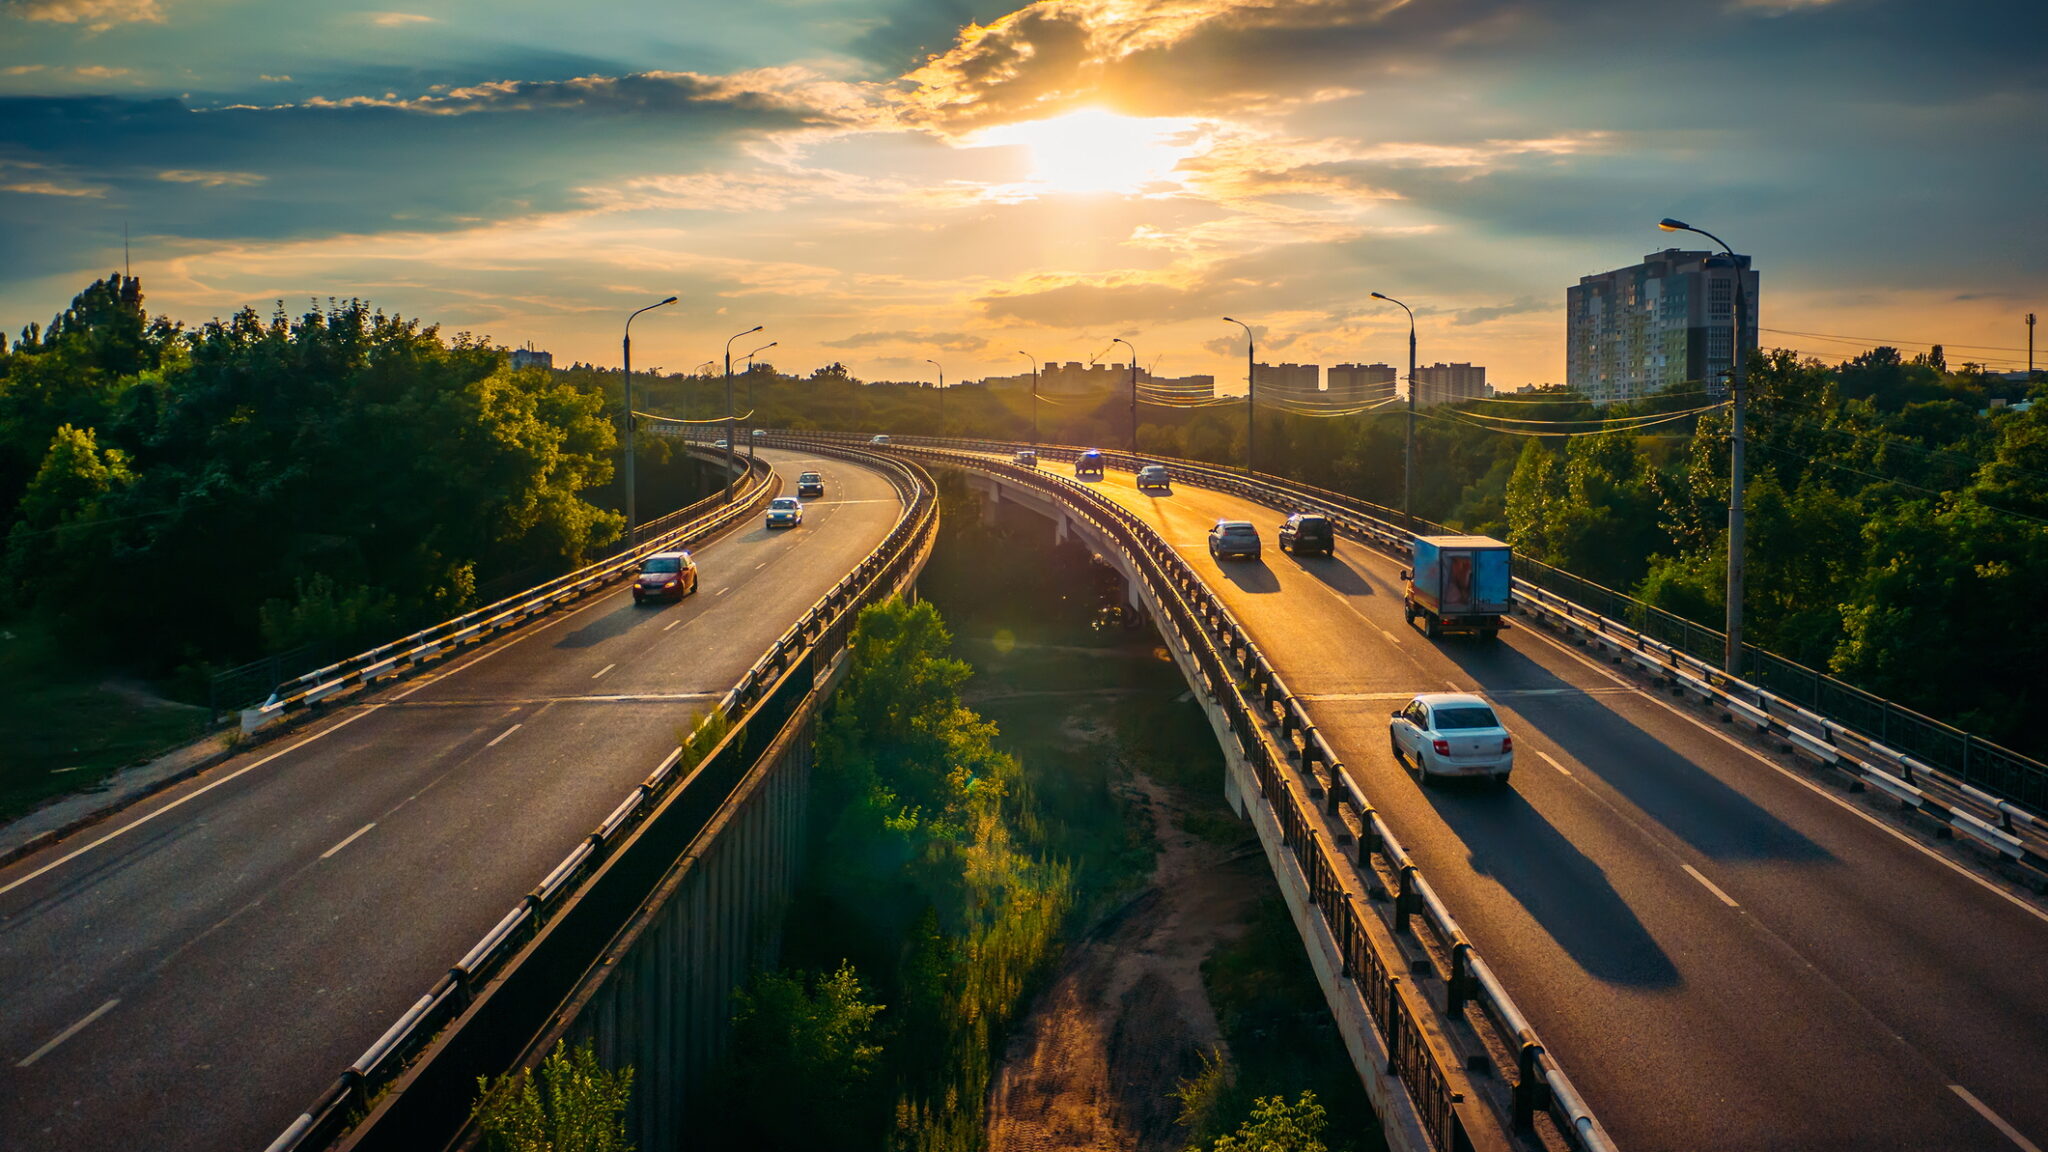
(885,183)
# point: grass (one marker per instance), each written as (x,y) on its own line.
(61,729)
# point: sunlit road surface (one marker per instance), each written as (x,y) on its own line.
(1722,954)
(189,974)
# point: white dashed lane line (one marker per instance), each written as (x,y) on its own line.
(672,623)
(602,671)
(1997,1121)
(1710,885)
(1552,761)
(349,839)
(502,735)
(103,1009)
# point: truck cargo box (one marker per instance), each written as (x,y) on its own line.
(1461,579)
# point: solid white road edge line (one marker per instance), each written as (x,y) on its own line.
(349,839)
(1552,761)
(1816,789)
(127,828)
(1997,1121)
(103,1009)
(1710,885)
(502,735)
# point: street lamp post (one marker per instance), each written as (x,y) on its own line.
(1408,451)
(1731,656)
(750,391)
(942,394)
(1251,401)
(1134,397)
(731,427)
(632,509)
(1034,396)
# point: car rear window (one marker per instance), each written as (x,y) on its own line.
(1239,530)
(1313,524)
(1465,716)
(663,564)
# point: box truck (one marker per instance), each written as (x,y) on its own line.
(1459,584)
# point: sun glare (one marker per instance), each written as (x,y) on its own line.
(1098,151)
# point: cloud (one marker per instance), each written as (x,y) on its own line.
(797,93)
(211,179)
(52,188)
(96,15)
(947,341)
(22,69)
(1063,302)
(1466,317)
(397,19)
(275,79)
(99,72)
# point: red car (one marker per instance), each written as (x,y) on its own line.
(665,576)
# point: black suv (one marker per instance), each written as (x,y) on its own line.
(810,485)
(1308,534)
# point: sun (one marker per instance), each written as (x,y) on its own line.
(1094,150)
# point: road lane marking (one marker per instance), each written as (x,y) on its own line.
(723,591)
(350,838)
(761,565)
(602,671)
(1382,631)
(1552,761)
(1796,778)
(502,735)
(1997,1121)
(1710,885)
(127,828)
(1454,687)
(672,623)
(103,1009)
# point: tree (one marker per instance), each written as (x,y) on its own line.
(62,534)
(803,1054)
(1277,1126)
(572,1104)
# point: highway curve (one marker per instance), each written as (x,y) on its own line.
(1722,954)
(194,980)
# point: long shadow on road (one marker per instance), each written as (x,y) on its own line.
(1561,889)
(617,622)
(1713,817)
(1249,575)
(1336,575)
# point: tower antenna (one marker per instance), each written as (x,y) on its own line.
(125,270)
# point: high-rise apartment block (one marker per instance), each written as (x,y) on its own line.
(1351,385)
(1666,321)
(1290,381)
(1449,383)
(529,357)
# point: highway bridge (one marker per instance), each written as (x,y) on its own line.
(1725,952)
(188,974)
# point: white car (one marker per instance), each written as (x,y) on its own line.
(878,439)
(785,512)
(1452,734)
(720,443)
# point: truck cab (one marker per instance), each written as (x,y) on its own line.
(1459,584)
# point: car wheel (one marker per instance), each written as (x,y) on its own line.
(1394,745)
(1423,775)
(1429,627)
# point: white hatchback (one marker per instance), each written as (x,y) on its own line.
(1452,734)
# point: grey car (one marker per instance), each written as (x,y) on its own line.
(1234,538)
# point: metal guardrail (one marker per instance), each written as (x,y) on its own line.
(1276,732)
(824,628)
(672,531)
(2008,790)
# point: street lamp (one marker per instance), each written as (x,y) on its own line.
(1251,427)
(942,394)
(1731,656)
(632,512)
(1034,396)
(750,391)
(1407,452)
(731,429)
(1134,397)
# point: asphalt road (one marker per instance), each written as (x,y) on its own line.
(191,973)
(1722,954)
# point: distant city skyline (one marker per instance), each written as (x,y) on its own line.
(879,186)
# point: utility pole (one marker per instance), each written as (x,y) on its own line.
(2030,345)
(1134,398)
(750,393)
(632,511)
(1731,657)
(1408,449)
(1034,396)
(1251,399)
(731,426)
(942,394)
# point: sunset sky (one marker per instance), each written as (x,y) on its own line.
(880,182)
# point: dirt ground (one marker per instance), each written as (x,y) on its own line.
(1094,1062)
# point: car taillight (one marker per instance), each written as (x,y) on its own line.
(1507,743)
(1443,747)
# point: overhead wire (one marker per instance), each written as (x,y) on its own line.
(1461,418)
(1616,423)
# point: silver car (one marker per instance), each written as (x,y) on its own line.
(1452,734)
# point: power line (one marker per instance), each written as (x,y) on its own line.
(1619,423)
(1461,418)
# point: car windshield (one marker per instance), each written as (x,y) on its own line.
(1460,716)
(663,564)
(808,478)
(784,504)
